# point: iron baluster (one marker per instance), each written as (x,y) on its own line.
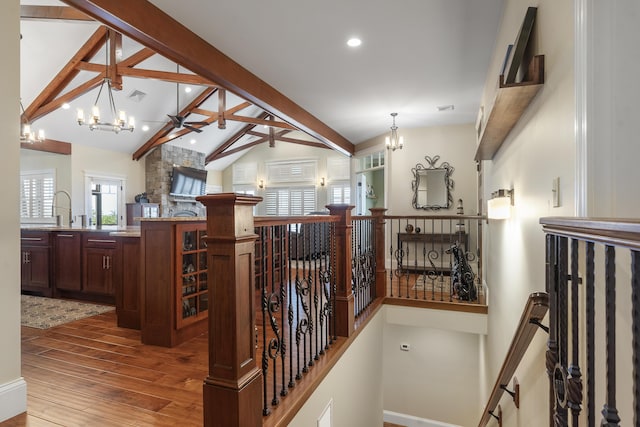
(609,411)
(590,333)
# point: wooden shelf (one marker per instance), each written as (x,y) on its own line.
(510,103)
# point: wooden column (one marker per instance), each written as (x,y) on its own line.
(345,315)
(381,274)
(232,394)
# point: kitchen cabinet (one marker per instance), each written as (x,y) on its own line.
(67,267)
(174,295)
(99,261)
(35,256)
(127,285)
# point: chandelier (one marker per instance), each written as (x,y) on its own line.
(394,142)
(119,119)
(26,135)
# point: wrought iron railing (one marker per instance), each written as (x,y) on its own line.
(295,258)
(434,258)
(363,261)
(582,258)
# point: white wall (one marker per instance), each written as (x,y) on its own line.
(13,393)
(437,378)
(539,148)
(454,144)
(84,158)
(354,384)
(284,151)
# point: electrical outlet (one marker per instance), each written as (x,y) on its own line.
(405,347)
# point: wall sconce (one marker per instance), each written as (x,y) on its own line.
(322,182)
(261,184)
(499,206)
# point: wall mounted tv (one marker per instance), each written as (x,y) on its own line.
(188,182)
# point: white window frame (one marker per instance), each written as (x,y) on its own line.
(100,176)
(344,187)
(284,208)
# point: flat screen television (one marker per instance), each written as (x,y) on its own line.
(188,182)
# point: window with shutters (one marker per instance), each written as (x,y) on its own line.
(299,172)
(338,168)
(245,173)
(339,192)
(36,195)
(288,201)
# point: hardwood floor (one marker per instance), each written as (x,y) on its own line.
(92,373)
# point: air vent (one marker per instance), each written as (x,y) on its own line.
(137,95)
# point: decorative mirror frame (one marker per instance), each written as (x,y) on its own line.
(448,182)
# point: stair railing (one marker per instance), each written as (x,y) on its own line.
(533,313)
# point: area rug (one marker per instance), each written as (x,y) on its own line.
(43,313)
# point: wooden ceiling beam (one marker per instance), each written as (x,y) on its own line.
(49,107)
(261,122)
(150,26)
(68,73)
(167,76)
(64,13)
(115,52)
(229,142)
(290,140)
(161,136)
(222,106)
(238,149)
(133,60)
(49,146)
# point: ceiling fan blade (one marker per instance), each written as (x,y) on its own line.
(175,120)
(197,123)
(195,129)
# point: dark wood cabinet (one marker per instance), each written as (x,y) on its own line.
(127,285)
(174,295)
(99,260)
(67,266)
(35,256)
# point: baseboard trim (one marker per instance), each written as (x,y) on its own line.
(411,421)
(13,398)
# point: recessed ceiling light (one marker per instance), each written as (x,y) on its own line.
(354,42)
(145,128)
(187,89)
(66,106)
(193,141)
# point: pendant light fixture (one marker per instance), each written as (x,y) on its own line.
(119,119)
(26,134)
(394,142)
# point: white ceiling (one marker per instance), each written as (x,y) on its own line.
(415,55)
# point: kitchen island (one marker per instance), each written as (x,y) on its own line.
(84,263)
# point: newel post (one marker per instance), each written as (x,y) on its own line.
(232,395)
(379,239)
(345,314)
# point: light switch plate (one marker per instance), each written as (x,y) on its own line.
(556,192)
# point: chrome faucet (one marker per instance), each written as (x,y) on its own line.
(53,206)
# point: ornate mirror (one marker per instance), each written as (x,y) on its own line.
(432,185)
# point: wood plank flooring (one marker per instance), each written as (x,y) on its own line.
(92,373)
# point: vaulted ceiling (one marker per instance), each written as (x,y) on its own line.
(252,64)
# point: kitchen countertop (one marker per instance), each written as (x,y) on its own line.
(130,231)
(174,219)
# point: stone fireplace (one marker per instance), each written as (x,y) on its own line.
(158,167)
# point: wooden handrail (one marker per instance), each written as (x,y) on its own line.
(615,232)
(534,311)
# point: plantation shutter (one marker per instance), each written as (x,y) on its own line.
(36,195)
